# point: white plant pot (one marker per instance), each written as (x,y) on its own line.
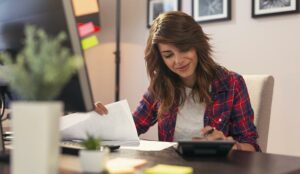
(36,137)
(93,161)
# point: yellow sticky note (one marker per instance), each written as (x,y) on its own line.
(166,169)
(89,42)
(131,162)
(124,165)
(84,7)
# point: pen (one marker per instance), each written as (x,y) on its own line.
(209,132)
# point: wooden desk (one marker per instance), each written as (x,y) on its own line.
(236,162)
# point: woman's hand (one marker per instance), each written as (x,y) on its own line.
(100,108)
(210,133)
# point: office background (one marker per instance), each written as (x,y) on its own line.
(269,45)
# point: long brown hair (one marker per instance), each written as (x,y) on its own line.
(184,32)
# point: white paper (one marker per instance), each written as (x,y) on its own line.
(151,145)
(117,125)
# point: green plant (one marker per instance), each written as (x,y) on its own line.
(91,143)
(41,68)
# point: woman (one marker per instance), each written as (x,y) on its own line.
(190,95)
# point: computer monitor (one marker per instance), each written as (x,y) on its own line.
(49,15)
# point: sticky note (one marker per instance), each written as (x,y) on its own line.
(84,7)
(131,162)
(87,28)
(89,42)
(124,165)
(166,169)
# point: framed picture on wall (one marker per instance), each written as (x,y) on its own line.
(156,7)
(262,8)
(211,10)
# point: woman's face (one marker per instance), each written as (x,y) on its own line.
(182,63)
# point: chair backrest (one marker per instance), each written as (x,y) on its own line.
(260,89)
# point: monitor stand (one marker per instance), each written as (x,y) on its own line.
(4,155)
(2,148)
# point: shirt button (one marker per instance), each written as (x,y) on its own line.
(220,119)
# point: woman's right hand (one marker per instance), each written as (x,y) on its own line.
(100,108)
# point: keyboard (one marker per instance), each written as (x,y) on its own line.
(73,147)
(70,147)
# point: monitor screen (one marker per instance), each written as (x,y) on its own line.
(49,15)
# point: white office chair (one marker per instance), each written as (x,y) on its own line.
(260,89)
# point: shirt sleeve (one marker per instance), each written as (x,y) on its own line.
(145,114)
(243,128)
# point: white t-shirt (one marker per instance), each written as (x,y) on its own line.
(189,120)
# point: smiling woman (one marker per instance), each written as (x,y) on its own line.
(189,93)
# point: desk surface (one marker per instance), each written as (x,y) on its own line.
(236,162)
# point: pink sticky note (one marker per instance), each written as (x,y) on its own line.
(86,29)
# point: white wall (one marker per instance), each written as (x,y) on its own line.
(269,45)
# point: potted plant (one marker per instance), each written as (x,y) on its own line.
(93,157)
(39,72)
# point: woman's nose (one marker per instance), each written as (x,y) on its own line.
(178,58)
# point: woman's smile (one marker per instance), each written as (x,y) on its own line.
(183,68)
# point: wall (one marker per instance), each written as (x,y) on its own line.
(268,45)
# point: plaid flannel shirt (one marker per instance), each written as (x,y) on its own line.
(230,111)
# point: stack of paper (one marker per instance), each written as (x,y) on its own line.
(116,127)
(146,145)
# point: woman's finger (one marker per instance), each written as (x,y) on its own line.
(205,130)
(99,111)
(216,135)
(229,138)
(100,108)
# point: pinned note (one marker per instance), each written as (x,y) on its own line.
(89,42)
(84,7)
(166,169)
(87,28)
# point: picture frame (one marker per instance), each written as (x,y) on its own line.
(211,10)
(261,8)
(156,7)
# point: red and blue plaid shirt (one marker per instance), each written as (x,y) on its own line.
(230,111)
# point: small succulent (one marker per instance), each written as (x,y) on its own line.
(91,143)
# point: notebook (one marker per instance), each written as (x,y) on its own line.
(117,128)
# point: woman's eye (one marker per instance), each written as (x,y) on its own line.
(168,55)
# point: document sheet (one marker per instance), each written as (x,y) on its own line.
(117,125)
(146,145)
